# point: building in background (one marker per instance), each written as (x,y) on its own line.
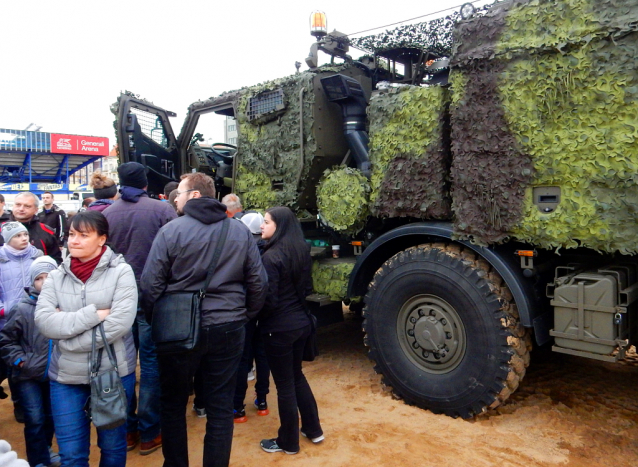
(107,165)
(40,161)
(230,131)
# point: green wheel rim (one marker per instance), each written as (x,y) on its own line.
(431,334)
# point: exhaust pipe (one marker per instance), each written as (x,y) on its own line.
(348,93)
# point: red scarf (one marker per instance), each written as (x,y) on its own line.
(83,270)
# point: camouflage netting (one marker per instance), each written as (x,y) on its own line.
(434,36)
(409,155)
(342,198)
(255,189)
(269,152)
(546,94)
(331,279)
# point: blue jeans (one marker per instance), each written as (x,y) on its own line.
(294,396)
(73,427)
(147,418)
(217,356)
(38,422)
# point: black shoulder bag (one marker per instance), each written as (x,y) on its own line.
(177,316)
(107,405)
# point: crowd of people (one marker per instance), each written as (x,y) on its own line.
(125,251)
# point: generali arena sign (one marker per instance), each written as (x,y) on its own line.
(74,144)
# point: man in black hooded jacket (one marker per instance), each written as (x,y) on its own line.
(179,260)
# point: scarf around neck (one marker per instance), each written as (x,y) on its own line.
(83,270)
(15,252)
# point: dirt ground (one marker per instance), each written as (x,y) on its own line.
(568,411)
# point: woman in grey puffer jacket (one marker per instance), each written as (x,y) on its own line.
(92,285)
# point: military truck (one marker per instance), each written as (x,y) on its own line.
(478,172)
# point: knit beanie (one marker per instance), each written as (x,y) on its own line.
(253,221)
(9,458)
(11,229)
(41,265)
(132,174)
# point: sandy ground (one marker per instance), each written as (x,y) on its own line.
(568,411)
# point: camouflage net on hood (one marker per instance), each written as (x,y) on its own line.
(552,101)
(342,198)
(409,154)
(271,151)
(331,278)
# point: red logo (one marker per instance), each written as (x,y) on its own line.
(82,145)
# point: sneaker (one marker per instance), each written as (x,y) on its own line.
(270,445)
(54,458)
(251,374)
(316,440)
(132,439)
(201,412)
(262,407)
(3,395)
(149,447)
(240,415)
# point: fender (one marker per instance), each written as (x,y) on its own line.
(500,257)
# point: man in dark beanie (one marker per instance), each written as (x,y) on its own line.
(132,175)
(134,220)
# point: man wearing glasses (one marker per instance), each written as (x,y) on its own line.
(179,260)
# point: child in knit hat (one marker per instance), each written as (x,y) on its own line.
(27,352)
(16,255)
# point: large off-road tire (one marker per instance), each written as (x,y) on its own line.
(444,331)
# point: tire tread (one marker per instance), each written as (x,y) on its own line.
(514,357)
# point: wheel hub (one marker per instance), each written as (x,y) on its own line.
(431,333)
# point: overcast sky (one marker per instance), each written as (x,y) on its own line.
(64,62)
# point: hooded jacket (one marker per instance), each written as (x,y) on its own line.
(183,251)
(112,285)
(133,226)
(14,277)
(100,205)
(20,341)
(56,219)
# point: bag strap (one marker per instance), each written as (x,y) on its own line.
(96,357)
(216,255)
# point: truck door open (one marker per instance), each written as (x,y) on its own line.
(145,135)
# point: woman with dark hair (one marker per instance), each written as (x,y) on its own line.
(104,190)
(92,285)
(285,327)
